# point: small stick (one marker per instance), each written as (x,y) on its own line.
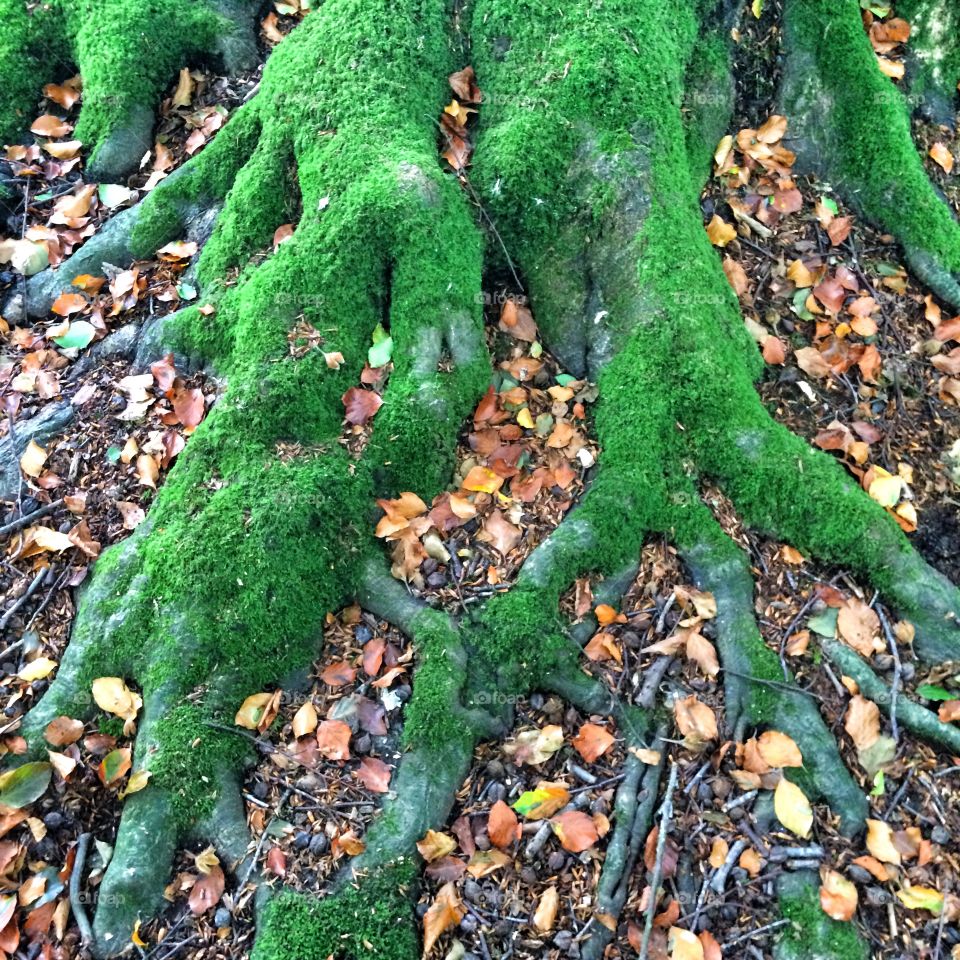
(76,901)
(719,880)
(751,934)
(897,669)
(14,525)
(21,600)
(666,812)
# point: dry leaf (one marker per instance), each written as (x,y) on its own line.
(793,808)
(838,896)
(445,912)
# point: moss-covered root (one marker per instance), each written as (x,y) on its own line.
(370,919)
(852,125)
(757,691)
(915,718)
(28,41)
(933,57)
(802,496)
(126,53)
(811,934)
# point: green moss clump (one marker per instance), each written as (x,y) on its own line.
(368,920)
(812,935)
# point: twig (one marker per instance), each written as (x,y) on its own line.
(21,600)
(751,934)
(76,901)
(666,812)
(14,525)
(897,669)
(719,880)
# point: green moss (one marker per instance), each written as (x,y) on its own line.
(871,154)
(110,726)
(368,920)
(28,42)
(811,934)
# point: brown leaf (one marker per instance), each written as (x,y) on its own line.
(503,827)
(695,720)
(360,406)
(206,891)
(838,896)
(575,830)
(445,912)
(333,739)
(435,845)
(546,913)
(374,774)
(779,750)
(338,674)
(62,731)
(859,626)
(862,722)
(500,533)
(701,651)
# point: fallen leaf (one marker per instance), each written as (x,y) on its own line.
(592,741)
(435,845)
(941,155)
(374,774)
(360,406)
(542,802)
(793,808)
(535,746)
(333,739)
(695,721)
(880,842)
(575,830)
(720,232)
(779,750)
(838,896)
(545,915)
(445,912)
(684,944)
(304,720)
(503,828)
(862,722)
(206,891)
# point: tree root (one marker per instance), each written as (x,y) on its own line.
(106,39)
(866,146)
(633,813)
(812,935)
(918,720)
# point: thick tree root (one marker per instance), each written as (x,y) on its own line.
(918,720)
(933,58)
(852,125)
(108,41)
(385,238)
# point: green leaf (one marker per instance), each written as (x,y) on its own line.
(830,204)
(825,623)
(113,454)
(25,784)
(877,755)
(564,379)
(878,784)
(930,692)
(799,304)
(77,337)
(186,291)
(379,354)
(114,194)
(887,269)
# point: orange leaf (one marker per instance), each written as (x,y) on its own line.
(503,827)
(445,912)
(592,741)
(575,830)
(333,739)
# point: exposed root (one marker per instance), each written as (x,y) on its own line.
(633,812)
(924,723)
(126,55)
(751,669)
(864,145)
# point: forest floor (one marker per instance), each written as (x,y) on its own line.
(854,365)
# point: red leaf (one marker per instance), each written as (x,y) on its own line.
(374,774)
(361,406)
(502,827)
(188,405)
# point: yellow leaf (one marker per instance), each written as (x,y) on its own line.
(435,845)
(32,459)
(305,720)
(112,695)
(524,419)
(37,669)
(482,480)
(252,710)
(718,852)
(136,783)
(793,808)
(880,842)
(884,488)
(546,912)
(135,938)
(921,898)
